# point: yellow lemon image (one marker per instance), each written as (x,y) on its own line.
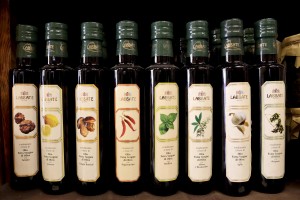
(46,130)
(51,120)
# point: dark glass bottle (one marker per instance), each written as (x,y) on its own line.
(57,113)
(127,113)
(290,59)
(181,56)
(197,101)
(23,84)
(91,102)
(269,96)
(215,51)
(249,46)
(162,96)
(236,112)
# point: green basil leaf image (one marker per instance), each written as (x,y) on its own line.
(172,117)
(170,125)
(164,118)
(163,128)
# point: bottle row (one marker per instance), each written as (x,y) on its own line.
(161,128)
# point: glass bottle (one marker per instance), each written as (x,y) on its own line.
(127,113)
(249,46)
(236,112)
(91,113)
(269,96)
(162,114)
(23,84)
(57,113)
(197,89)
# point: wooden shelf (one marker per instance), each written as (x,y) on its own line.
(291,192)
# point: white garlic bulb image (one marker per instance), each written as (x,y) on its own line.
(238,118)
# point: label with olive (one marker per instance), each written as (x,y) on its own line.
(87,132)
(25,135)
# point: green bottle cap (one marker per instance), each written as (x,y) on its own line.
(266,28)
(56,31)
(162,29)
(216,36)
(197,29)
(91,30)
(249,36)
(26,33)
(126,30)
(231,28)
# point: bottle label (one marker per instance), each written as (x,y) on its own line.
(200,127)
(273,129)
(232,46)
(25,131)
(127,132)
(196,47)
(26,50)
(238,131)
(162,47)
(87,132)
(91,48)
(166,131)
(52,135)
(127,47)
(266,46)
(56,48)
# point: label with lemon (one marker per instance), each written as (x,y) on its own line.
(51,122)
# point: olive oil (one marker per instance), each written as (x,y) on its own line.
(57,113)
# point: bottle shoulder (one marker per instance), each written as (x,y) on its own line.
(56,68)
(201,66)
(91,67)
(127,67)
(162,67)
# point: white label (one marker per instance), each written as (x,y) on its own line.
(52,140)
(87,133)
(166,131)
(25,135)
(200,126)
(238,131)
(127,132)
(273,129)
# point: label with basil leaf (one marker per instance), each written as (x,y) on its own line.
(167,122)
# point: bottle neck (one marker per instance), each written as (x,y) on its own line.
(266,49)
(127,51)
(197,51)
(26,53)
(56,52)
(232,49)
(91,52)
(162,51)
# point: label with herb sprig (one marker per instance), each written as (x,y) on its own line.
(273,129)
(200,108)
(166,131)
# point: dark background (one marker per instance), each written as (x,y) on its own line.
(108,13)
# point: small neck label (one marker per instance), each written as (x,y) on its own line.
(162,47)
(266,46)
(26,50)
(91,48)
(127,47)
(232,46)
(56,48)
(197,48)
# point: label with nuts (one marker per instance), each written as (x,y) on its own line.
(200,107)
(166,109)
(52,140)
(273,129)
(87,132)
(238,131)
(25,135)
(127,132)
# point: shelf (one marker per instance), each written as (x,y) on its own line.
(291,192)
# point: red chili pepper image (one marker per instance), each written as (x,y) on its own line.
(129,124)
(124,128)
(130,118)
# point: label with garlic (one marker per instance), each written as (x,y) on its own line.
(87,132)
(52,139)
(200,108)
(25,135)
(238,131)
(273,129)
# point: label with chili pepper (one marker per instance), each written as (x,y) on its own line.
(166,131)
(127,132)
(87,132)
